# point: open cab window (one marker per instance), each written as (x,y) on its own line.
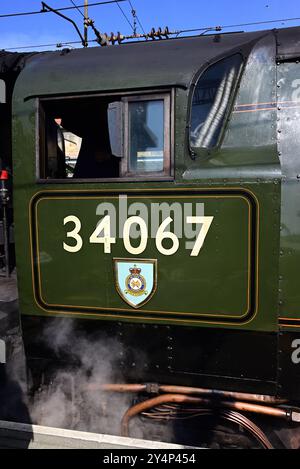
(212,97)
(108,137)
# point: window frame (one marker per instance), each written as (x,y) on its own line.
(125,163)
(166,175)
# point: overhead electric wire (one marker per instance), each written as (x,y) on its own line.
(133,9)
(123,13)
(26,13)
(56,44)
(210,28)
(77,8)
(206,29)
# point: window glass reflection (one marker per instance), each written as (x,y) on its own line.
(146,136)
(210,101)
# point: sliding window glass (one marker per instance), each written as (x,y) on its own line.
(147,130)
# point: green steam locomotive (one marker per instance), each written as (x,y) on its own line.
(155,200)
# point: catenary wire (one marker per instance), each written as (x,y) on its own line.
(26,13)
(256,23)
(211,28)
(123,13)
(77,8)
(138,20)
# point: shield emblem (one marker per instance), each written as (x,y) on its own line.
(135,280)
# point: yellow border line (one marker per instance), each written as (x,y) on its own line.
(147,311)
(166,189)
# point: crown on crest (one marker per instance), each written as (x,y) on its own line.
(135,270)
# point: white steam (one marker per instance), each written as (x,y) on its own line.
(67,402)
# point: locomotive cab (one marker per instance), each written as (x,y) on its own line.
(155,202)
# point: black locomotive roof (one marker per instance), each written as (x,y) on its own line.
(9,61)
(137,65)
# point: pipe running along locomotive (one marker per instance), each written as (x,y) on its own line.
(156,200)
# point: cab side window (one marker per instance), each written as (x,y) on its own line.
(211,101)
(105,137)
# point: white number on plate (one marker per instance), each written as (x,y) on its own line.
(104,226)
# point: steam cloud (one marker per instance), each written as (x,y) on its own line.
(67,402)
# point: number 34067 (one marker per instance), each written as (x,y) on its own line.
(102,235)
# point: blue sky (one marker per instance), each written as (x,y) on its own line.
(48,28)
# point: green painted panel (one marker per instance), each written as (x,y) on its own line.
(216,282)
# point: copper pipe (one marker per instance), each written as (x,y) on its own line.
(240,396)
(116,387)
(257,409)
(153,402)
(212,393)
(182,399)
(247,424)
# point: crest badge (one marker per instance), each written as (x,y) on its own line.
(135,280)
